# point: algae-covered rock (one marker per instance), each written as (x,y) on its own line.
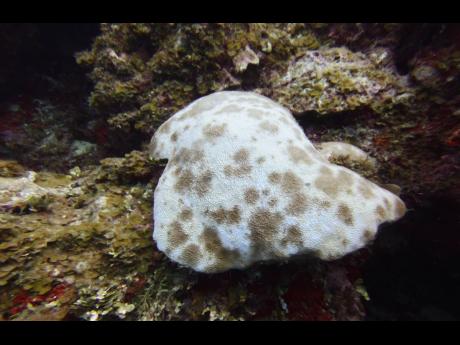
(135,165)
(84,231)
(11,169)
(143,73)
(337,80)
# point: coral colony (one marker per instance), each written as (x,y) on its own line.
(244,184)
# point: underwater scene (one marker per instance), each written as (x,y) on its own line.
(230,171)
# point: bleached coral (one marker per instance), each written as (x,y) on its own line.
(244,184)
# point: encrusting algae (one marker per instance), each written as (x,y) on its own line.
(91,230)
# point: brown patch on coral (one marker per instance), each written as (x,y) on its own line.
(387,204)
(345,178)
(333,185)
(256,114)
(241,156)
(200,106)
(223,216)
(238,171)
(203,183)
(231,108)
(191,254)
(324,204)
(242,168)
(189,182)
(380,211)
(253,99)
(269,127)
(293,236)
(290,182)
(176,235)
(260,160)
(297,205)
(366,190)
(400,208)
(368,235)
(272,202)
(186,214)
(345,214)
(184,181)
(164,128)
(185,156)
(174,136)
(228,170)
(285,121)
(251,195)
(177,171)
(214,131)
(274,177)
(263,225)
(224,258)
(298,155)
(324,170)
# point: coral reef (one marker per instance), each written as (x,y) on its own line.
(77,183)
(143,73)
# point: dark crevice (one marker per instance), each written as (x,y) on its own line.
(40,78)
(412,274)
(335,120)
(32,51)
(413,37)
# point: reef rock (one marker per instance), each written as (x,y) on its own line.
(244,184)
(331,80)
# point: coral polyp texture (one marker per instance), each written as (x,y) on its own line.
(243,184)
